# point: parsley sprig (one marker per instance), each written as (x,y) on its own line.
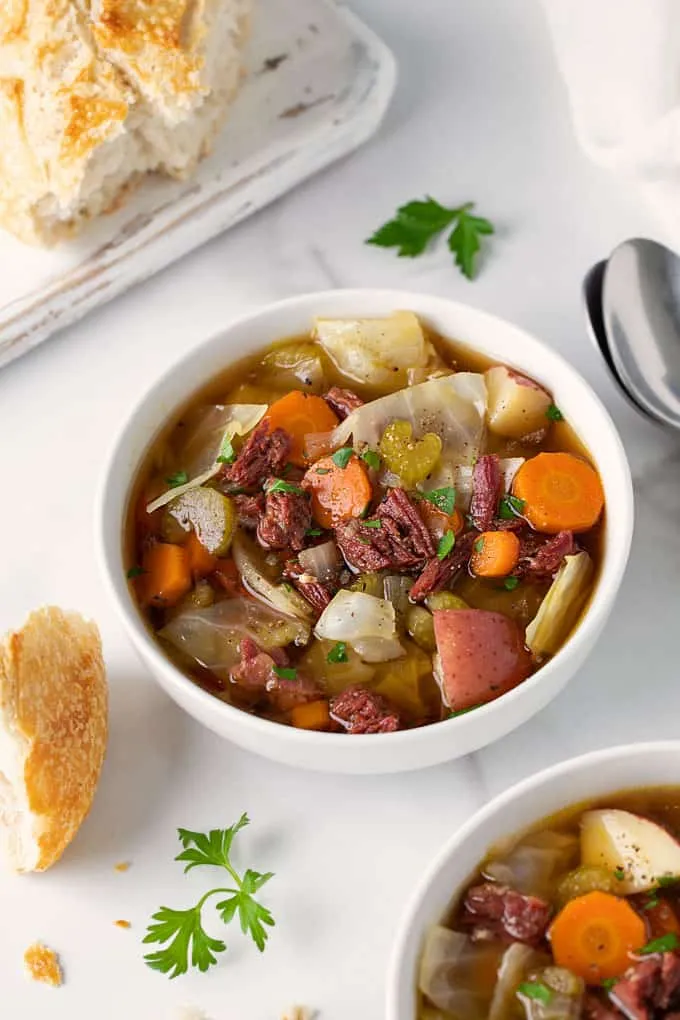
(416,224)
(181,933)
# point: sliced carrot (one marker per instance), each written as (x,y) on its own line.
(201,561)
(495,554)
(595,935)
(301,414)
(662,919)
(167,574)
(315,715)
(561,492)
(438,522)
(337,493)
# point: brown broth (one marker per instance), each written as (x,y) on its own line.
(245,381)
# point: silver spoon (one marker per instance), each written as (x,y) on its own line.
(641,318)
(592,299)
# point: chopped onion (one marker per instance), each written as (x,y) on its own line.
(322,561)
(531,865)
(461,479)
(365,622)
(317,445)
(509,467)
(375,351)
(559,609)
(453,407)
(216,426)
(450,971)
(212,636)
(517,961)
(396,588)
(279,596)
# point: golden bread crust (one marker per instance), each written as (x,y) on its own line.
(53,693)
(43,965)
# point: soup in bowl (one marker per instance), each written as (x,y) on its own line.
(359,522)
(559,901)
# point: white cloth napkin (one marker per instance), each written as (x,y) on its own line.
(621,63)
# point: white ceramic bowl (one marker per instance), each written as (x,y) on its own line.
(411,749)
(587,777)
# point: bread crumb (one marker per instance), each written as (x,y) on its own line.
(299,1013)
(43,965)
(122,924)
(121,866)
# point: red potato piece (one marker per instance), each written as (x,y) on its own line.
(481,655)
(516,405)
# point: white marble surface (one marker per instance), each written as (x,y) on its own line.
(479,114)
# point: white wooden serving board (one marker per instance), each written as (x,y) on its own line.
(318,84)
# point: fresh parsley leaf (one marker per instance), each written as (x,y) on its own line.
(135,572)
(179,478)
(535,990)
(619,874)
(446,544)
(554,414)
(372,524)
(608,983)
(372,458)
(285,672)
(227,453)
(323,471)
(443,499)
(280,486)
(180,933)
(510,583)
(665,880)
(313,532)
(664,944)
(462,711)
(651,902)
(338,652)
(479,545)
(417,223)
(510,507)
(342,456)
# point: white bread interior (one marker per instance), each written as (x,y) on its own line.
(96,93)
(53,733)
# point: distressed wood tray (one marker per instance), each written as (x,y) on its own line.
(318,84)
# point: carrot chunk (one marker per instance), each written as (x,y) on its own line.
(201,562)
(315,715)
(495,554)
(301,414)
(167,574)
(337,493)
(595,935)
(561,492)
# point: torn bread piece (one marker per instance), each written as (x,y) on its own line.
(94,94)
(53,732)
(42,964)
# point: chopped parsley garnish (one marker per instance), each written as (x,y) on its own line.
(342,456)
(535,990)
(323,471)
(372,524)
(510,507)
(510,583)
(338,652)
(285,672)
(417,223)
(665,880)
(313,532)
(652,901)
(227,453)
(479,545)
(179,478)
(664,944)
(181,934)
(462,711)
(135,572)
(619,874)
(446,544)
(609,983)
(372,458)
(280,486)
(553,413)
(443,499)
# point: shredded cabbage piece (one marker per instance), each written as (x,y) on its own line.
(281,597)
(215,426)
(453,407)
(449,969)
(375,351)
(365,622)
(559,609)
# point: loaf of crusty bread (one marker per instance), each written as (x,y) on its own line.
(53,732)
(96,93)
